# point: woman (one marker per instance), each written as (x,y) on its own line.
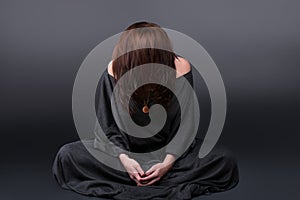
(173,173)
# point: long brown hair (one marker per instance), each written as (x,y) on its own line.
(144,43)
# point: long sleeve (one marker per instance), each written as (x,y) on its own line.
(113,141)
(184,119)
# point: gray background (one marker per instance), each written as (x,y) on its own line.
(255,44)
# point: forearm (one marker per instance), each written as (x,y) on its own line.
(123,156)
(169,159)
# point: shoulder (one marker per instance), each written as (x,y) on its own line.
(182,66)
(109,69)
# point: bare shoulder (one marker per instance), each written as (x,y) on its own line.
(182,66)
(109,69)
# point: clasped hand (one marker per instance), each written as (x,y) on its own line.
(154,174)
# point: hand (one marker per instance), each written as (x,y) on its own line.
(157,171)
(133,168)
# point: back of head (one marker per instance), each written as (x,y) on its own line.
(145,43)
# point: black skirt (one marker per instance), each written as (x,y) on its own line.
(76,169)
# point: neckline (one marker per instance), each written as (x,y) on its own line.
(187,73)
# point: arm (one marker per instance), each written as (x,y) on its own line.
(183,124)
(173,150)
(113,141)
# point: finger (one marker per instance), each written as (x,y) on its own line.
(137,183)
(132,172)
(151,176)
(151,170)
(136,174)
(138,178)
(151,182)
(134,178)
(139,170)
(143,182)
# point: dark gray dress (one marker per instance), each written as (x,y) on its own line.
(76,169)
